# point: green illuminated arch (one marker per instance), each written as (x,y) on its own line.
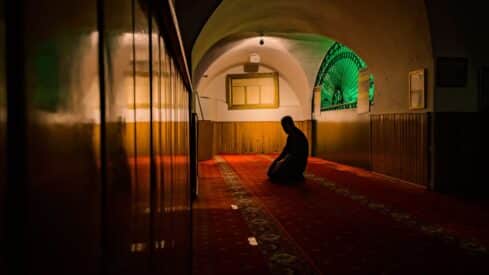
(338,78)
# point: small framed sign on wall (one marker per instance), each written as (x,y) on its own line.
(417,89)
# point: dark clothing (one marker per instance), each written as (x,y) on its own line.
(291,163)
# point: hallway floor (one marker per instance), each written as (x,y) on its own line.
(341,220)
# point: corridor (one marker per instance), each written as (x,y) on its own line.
(341,220)
(136,137)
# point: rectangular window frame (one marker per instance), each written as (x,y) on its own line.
(229,94)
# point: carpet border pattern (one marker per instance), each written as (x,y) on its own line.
(282,253)
(471,246)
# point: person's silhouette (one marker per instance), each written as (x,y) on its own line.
(291,163)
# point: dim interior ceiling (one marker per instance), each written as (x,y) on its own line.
(234,17)
(391,36)
(296,57)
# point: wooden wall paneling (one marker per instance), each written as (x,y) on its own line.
(426,140)
(399,146)
(407,148)
(206,139)
(246,137)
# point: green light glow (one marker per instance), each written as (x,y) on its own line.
(338,78)
(47,94)
(371,90)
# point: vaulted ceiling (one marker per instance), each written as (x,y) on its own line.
(392,36)
(192,16)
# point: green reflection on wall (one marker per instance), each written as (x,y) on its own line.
(338,78)
(371,89)
(47,92)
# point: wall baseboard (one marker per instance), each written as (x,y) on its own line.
(257,137)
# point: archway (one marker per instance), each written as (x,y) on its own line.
(392,37)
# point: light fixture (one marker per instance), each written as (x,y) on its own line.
(254,58)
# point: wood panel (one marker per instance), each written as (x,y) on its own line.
(245,137)
(399,146)
(343,136)
(205,145)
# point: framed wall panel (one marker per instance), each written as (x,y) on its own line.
(252,91)
(417,89)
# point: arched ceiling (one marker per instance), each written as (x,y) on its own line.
(335,18)
(391,36)
(192,16)
(296,57)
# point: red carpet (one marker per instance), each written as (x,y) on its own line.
(221,234)
(361,224)
(463,217)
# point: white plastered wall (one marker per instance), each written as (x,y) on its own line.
(296,58)
(213,100)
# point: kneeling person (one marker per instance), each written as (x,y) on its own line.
(291,163)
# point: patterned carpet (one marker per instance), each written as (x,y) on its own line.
(220,233)
(342,220)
